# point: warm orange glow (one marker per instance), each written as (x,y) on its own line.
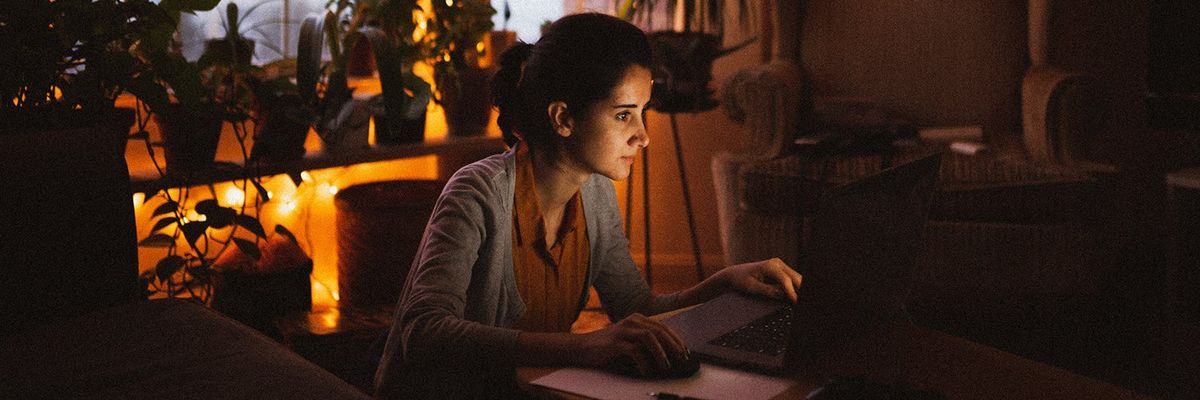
(138,199)
(309,210)
(323,297)
(234,197)
(288,206)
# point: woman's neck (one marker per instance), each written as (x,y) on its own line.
(556,179)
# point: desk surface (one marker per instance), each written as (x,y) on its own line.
(927,359)
(1187,178)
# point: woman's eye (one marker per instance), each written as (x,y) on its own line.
(623,116)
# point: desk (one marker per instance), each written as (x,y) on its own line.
(927,359)
(1183,275)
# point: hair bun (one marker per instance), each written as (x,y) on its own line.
(506,88)
(516,55)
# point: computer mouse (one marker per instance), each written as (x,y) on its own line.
(681,367)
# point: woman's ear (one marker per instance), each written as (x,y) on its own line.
(560,118)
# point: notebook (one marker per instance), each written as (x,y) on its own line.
(858,263)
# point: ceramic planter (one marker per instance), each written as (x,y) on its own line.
(190,136)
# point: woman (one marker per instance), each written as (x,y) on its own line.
(516,238)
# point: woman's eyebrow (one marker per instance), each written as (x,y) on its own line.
(625,106)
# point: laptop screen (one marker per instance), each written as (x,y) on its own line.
(861,251)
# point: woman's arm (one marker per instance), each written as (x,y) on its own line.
(770,278)
(430,321)
(624,292)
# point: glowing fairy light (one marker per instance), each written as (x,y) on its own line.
(138,199)
(479,47)
(306,177)
(321,287)
(332,189)
(288,206)
(192,215)
(235,196)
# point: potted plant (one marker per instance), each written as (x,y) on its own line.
(67,61)
(324,92)
(684,55)
(281,121)
(64,64)
(461,80)
(204,94)
(221,86)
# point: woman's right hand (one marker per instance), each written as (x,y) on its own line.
(647,342)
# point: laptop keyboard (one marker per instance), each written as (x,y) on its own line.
(767,335)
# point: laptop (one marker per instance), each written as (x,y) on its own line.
(858,264)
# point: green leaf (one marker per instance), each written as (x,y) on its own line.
(221,217)
(163,223)
(262,191)
(149,91)
(286,233)
(297,179)
(207,206)
(168,266)
(183,77)
(308,59)
(169,207)
(251,224)
(248,247)
(157,240)
(201,272)
(193,230)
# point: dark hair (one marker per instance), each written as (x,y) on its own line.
(579,60)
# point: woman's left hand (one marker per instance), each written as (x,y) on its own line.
(771,278)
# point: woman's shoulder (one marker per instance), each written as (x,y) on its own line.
(488,177)
(491,168)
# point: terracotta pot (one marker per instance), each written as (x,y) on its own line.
(220,48)
(389,131)
(190,136)
(282,128)
(467,102)
(360,60)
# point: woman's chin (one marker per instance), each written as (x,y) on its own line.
(620,175)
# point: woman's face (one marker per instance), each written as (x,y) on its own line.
(607,137)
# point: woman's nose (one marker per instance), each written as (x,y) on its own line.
(641,137)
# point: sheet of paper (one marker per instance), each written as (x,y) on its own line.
(710,383)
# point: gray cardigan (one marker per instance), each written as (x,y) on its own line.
(460,300)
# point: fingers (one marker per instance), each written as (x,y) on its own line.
(651,338)
(763,289)
(787,279)
(771,278)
